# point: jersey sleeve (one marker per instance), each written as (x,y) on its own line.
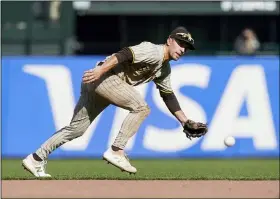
(163,82)
(146,52)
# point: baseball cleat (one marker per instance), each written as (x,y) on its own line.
(120,161)
(36,168)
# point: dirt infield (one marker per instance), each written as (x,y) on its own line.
(138,189)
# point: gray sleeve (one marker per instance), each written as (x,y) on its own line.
(146,52)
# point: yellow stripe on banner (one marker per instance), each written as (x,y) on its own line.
(132,54)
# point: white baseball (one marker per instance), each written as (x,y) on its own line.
(229,141)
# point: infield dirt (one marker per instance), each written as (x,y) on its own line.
(139,189)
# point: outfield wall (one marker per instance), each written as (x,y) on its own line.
(237,96)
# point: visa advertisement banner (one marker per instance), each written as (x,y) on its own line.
(237,96)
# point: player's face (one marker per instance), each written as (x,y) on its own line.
(176,48)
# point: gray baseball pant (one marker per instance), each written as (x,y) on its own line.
(94,98)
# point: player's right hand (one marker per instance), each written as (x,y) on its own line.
(92,75)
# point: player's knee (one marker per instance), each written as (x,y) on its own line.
(143,110)
(79,134)
(147,110)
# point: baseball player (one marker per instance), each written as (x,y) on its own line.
(112,82)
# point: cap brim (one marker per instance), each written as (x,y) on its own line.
(190,46)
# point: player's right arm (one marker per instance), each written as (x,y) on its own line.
(124,55)
(145,52)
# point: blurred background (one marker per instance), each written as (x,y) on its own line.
(103,27)
(231,80)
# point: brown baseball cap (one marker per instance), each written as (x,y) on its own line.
(182,34)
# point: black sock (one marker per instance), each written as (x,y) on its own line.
(114,148)
(36,157)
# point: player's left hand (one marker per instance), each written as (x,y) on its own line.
(194,129)
(92,75)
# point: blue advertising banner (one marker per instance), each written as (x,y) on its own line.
(237,96)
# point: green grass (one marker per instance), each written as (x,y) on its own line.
(227,169)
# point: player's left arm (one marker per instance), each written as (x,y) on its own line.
(190,128)
(170,99)
(174,107)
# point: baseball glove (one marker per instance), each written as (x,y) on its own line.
(194,129)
